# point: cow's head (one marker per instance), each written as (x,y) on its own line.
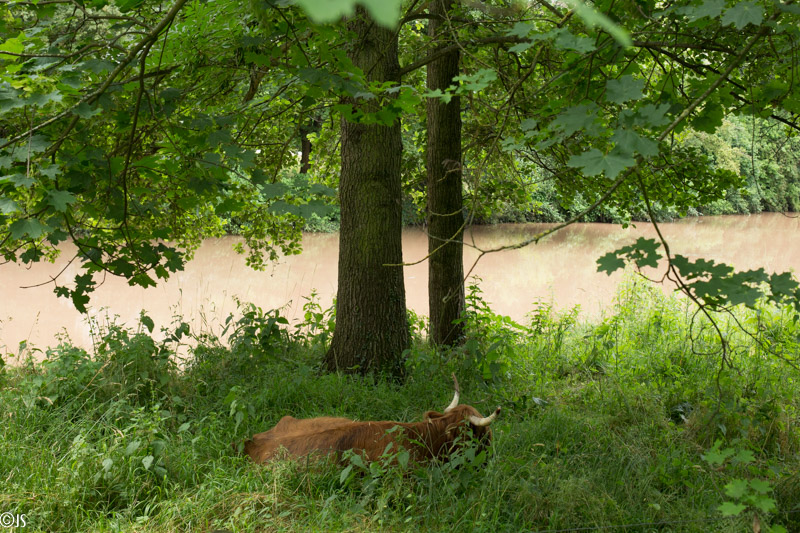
(463,421)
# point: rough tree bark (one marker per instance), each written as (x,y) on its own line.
(371,322)
(313,125)
(305,151)
(445,218)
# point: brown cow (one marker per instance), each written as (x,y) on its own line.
(434,437)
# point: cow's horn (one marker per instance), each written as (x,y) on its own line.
(455,396)
(477,421)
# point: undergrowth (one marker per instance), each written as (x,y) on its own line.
(629,419)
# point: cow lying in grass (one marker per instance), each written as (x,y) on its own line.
(434,437)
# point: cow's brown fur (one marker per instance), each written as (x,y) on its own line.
(434,437)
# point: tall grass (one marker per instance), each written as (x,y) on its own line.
(629,419)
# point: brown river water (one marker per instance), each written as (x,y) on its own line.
(561,269)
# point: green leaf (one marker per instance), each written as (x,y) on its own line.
(147,462)
(520,47)
(51,171)
(98,66)
(742,14)
(744,456)
(147,322)
(593,162)
(324,190)
(348,112)
(736,488)
(15,45)
(27,227)
(565,40)
(280,207)
(594,18)
(171,93)
(793,8)
(84,284)
(345,474)
(709,8)
(8,206)
(509,144)
(122,267)
(476,82)
(71,80)
(60,200)
(315,207)
(39,99)
(262,60)
(158,445)
(520,29)
(718,284)
(576,118)
(760,486)
(652,115)
(623,89)
(212,159)
(127,5)
(357,460)
(218,137)
(764,504)
(731,509)
(528,124)
(273,190)
(610,263)
(7,104)
(84,110)
(782,285)
(229,205)
(19,180)
(36,144)
(643,252)
(384,12)
(437,93)
(402,458)
(632,142)
(710,118)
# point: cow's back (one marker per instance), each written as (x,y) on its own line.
(289,425)
(298,436)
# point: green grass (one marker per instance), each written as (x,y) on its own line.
(129,439)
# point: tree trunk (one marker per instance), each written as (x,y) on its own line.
(313,126)
(445,218)
(371,322)
(305,151)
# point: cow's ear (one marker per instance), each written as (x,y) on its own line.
(429,415)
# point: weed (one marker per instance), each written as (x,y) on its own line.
(604,423)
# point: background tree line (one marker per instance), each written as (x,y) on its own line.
(758,150)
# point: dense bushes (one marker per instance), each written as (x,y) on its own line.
(626,419)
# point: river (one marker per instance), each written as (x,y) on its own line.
(561,269)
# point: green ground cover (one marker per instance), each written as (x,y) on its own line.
(626,419)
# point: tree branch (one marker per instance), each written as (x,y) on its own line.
(439,52)
(148,39)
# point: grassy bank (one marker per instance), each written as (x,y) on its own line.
(605,423)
